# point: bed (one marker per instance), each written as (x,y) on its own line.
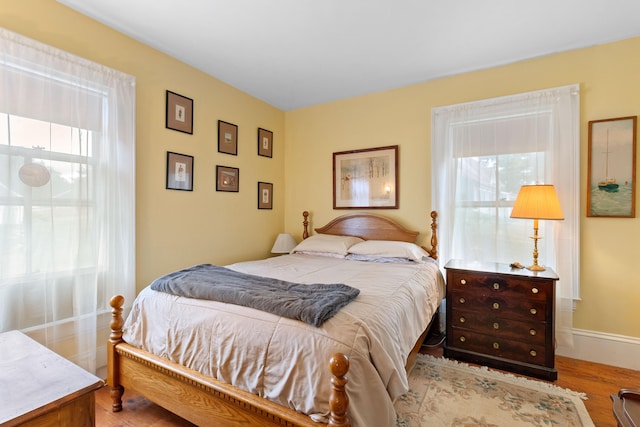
(291,373)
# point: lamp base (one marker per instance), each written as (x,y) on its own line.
(536,267)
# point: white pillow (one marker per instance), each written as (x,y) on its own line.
(389,249)
(327,243)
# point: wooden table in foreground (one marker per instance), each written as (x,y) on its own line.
(40,388)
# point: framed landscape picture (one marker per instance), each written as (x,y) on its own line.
(366,178)
(611,173)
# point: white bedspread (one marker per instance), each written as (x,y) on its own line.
(286,360)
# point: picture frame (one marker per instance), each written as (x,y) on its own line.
(179,172)
(611,175)
(265,143)
(227,179)
(227,138)
(179,113)
(366,179)
(265,195)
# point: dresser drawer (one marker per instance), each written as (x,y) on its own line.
(495,285)
(498,305)
(497,346)
(500,326)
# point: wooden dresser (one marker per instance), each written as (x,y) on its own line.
(40,388)
(501,317)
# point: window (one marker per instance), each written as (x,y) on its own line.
(62,195)
(67,213)
(482,153)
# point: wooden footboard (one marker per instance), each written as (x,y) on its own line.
(200,399)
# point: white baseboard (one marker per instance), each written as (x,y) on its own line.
(608,349)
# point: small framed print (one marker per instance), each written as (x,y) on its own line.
(228,179)
(265,142)
(179,172)
(179,115)
(227,138)
(265,195)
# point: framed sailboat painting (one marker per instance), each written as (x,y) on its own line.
(612,168)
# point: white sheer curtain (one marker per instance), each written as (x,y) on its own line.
(482,152)
(67,193)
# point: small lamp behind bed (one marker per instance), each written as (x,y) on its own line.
(284,244)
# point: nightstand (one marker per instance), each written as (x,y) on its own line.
(501,317)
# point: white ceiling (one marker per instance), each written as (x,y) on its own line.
(296,53)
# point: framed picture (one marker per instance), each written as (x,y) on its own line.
(179,172)
(265,195)
(612,168)
(228,179)
(227,138)
(179,113)
(366,178)
(265,142)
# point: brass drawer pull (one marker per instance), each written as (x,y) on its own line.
(496,306)
(533,311)
(496,346)
(462,300)
(463,282)
(535,290)
(532,332)
(462,320)
(533,353)
(462,339)
(496,325)
(496,286)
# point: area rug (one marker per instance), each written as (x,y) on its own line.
(448,393)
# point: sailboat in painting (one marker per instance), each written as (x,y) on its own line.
(608,184)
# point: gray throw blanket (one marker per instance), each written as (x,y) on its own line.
(310,303)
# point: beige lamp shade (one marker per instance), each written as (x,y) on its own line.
(284,244)
(537,202)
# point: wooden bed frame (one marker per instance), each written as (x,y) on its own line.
(204,400)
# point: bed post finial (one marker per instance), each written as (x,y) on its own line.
(339,401)
(434,235)
(305,224)
(113,362)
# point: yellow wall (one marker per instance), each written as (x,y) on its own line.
(176,228)
(609,86)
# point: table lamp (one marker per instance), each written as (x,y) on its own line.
(284,244)
(537,202)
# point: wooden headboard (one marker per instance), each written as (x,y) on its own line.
(371,226)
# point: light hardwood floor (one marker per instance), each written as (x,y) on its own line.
(596,380)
